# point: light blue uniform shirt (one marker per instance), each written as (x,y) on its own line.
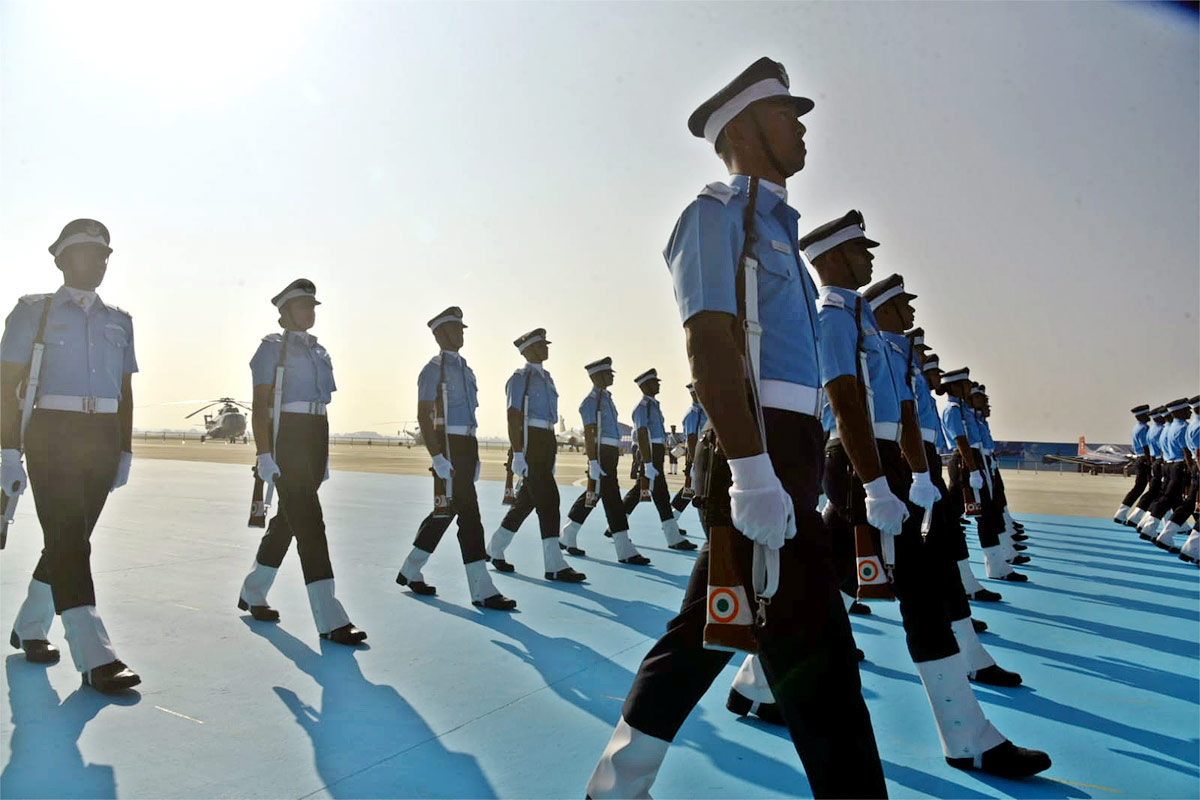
(462,392)
(959,421)
(839,356)
(1192,437)
(543,396)
(648,415)
(702,255)
(1173,440)
(608,412)
(985,431)
(1152,432)
(1139,437)
(694,420)
(927,413)
(87,353)
(308,373)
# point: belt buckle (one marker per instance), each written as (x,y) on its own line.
(89,405)
(312,407)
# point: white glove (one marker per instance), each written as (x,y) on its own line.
(519,467)
(651,472)
(594,470)
(758,504)
(442,466)
(478,467)
(12,474)
(885,511)
(268,470)
(922,492)
(976,480)
(122,477)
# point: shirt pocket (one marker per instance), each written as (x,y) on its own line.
(116,341)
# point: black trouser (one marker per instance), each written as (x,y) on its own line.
(658,489)
(925,578)
(948,512)
(1175,478)
(1154,488)
(998,489)
(610,493)
(678,501)
(464,456)
(538,489)
(72,461)
(806,648)
(990,521)
(302,453)
(1139,482)
(1188,506)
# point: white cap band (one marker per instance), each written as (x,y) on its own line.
(831,241)
(771,87)
(599,368)
(532,340)
(442,320)
(79,238)
(292,295)
(876,302)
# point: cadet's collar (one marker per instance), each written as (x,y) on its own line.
(451,354)
(767,201)
(535,367)
(81,298)
(841,290)
(304,337)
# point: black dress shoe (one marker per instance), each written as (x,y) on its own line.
(1185,557)
(572,551)
(347,635)
(1145,536)
(685,546)
(638,560)
(862,609)
(501,565)
(860,654)
(1006,760)
(111,677)
(418,587)
(1174,549)
(1160,545)
(497,601)
(261,613)
(1013,577)
(742,706)
(37,651)
(1019,547)
(1020,537)
(979,625)
(682,532)
(1021,559)
(995,676)
(567,575)
(986,596)
(608,533)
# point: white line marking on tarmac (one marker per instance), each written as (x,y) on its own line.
(1087,785)
(177,714)
(189,608)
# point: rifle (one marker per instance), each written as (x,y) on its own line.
(510,494)
(593,493)
(8,505)
(258,505)
(970,500)
(730,624)
(443,490)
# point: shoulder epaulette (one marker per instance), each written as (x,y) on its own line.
(119,310)
(273,337)
(832,300)
(720,191)
(34,299)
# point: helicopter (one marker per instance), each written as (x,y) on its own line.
(227,423)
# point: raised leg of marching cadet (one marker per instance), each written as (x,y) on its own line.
(989,525)
(1140,513)
(72,460)
(662,502)
(951,508)
(302,453)
(806,650)
(1176,479)
(539,493)
(614,512)
(1176,519)
(1139,485)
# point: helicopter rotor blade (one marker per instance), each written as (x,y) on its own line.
(197,411)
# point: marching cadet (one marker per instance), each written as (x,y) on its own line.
(649,433)
(693,422)
(447,396)
(671,443)
(292,439)
(875,456)
(1153,432)
(928,381)
(764,485)
(532,413)
(967,469)
(1141,415)
(1191,546)
(1177,472)
(77,404)
(987,448)
(602,440)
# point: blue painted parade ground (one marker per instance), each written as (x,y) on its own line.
(451,701)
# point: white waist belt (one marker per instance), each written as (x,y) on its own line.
(1176,461)
(610,442)
(790,397)
(929,435)
(304,407)
(460,430)
(888,431)
(540,423)
(83,405)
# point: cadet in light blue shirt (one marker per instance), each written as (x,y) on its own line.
(532,415)
(1176,477)
(1193,429)
(293,456)
(1140,515)
(1188,474)
(839,310)
(649,433)
(78,443)
(462,390)
(693,423)
(1141,415)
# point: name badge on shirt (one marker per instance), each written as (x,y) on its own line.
(782,247)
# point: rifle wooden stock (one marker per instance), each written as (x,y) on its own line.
(441,497)
(973,507)
(593,493)
(8,505)
(258,509)
(645,487)
(510,494)
(729,624)
(873,582)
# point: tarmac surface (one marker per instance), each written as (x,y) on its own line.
(452,701)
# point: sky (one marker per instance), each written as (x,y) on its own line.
(1032,169)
